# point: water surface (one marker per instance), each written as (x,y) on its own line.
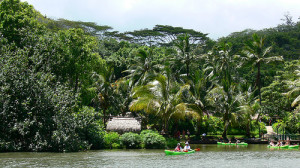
(210,156)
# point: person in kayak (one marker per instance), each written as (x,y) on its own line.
(287,142)
(279,143)
(272,143)
(187,147)
(178,148)
(237,141)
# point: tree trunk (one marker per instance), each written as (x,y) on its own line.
(248,129)
(188,68)
(258,82)
(226,123)
(104,117)
(224,135)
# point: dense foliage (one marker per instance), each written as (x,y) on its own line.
(131,140)
(61,79)
(152,140)
(111,140)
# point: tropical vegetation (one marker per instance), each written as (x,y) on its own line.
(61,80)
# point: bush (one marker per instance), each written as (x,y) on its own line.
(257,128)
(152,140)
(131,140)
(111,140)
(116,146)
(171,142)
(215,124)
(144,132)
(6,147)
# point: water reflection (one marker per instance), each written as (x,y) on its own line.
(209,156)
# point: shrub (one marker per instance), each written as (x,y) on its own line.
(215,124)
(171,142)
(144,132)
(131,140)
(152,140)
(111,140)
(116,146)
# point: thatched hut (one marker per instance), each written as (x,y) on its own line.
(124,124)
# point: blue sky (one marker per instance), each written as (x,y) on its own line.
(216,17)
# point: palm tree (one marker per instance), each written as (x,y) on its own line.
(143,69)
(247,109)
(161,98)
(185,52)
(123,91)
(197,89)
(225,104)
(222,72)
(257,54)
(105,89)
(294,89)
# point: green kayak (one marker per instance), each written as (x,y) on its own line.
(242,143)
(284,147)
(293,146)
(279,147)
(274,147)
(219,143)
(228,143)
(170,152)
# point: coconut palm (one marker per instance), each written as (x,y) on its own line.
(198,88)
(143,69)
(223,96)
(163,98)
(294,89)
(257,54)
(248,108)
(225,103)
(105,89)
(186,52)
(123,91)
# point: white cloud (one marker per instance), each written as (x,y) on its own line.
(216,17)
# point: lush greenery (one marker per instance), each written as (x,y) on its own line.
(152,140)
(60,80)
(131,140)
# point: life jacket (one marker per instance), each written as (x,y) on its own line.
(178,148)
(187,147)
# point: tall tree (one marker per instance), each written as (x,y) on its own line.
(294,89)
(146,37)
(170,34)
(224,75)
(248,108)
(18,22)
(257,55)
(77,57)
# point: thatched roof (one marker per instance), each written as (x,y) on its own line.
(123,124)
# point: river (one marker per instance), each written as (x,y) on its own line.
(209,156)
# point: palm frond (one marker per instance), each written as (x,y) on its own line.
(296,101)
(273,58)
